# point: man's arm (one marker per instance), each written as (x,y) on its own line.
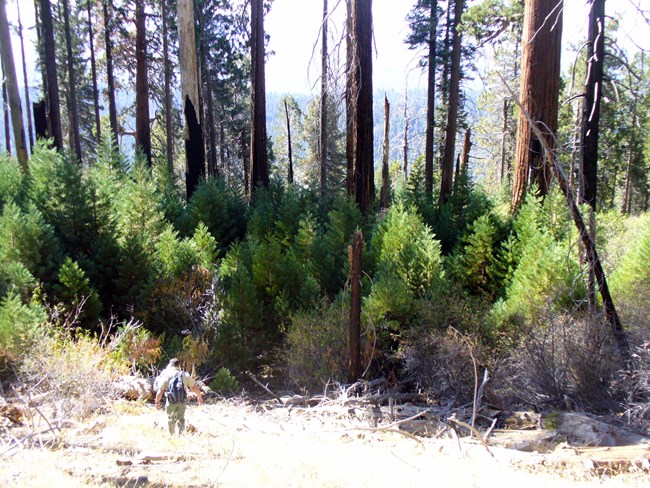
(159,395)
(199,395)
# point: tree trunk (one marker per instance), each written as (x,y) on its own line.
(93,68)
(504,135)
(592,255)
(385,183)
(354,333)
(593,95)
(12,88)
(539,91)
(40,119)
(467,147)
(73,112)
(289,155)
(406,130)
(190,92)
(207,115)
(28,102)
(112,106)
(49,58)
(142,127)
(259,157)
(323,106)
(169,130)
(628,175)
(349,105)
(364,178)
(452,111)
(431,101)
(5,113)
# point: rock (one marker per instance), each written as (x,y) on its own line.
(136,388)
(582,430)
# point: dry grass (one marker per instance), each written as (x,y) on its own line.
(237,444)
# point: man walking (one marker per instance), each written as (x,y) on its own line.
(173,382)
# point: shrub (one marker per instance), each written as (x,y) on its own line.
(224,382)
(409,265)
(446,364)
(19,325)
(315,348)
(75,293)
(77,374)
(11,180)
(562,359)
(221,208)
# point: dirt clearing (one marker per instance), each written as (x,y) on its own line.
(234,443)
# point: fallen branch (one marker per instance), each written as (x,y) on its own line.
(264,387)
(454,421)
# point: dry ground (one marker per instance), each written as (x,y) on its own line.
(238,444)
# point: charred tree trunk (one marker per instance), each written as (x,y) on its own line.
(452,111)
(593,95)
(93,68)
(539,91)
(40,119)
(13,95)
(112,106)
(259,157)
(142,127)
(289,154)
(354,334)
(431,101)
(323,107)
(73,112)
(28,102)
(364,177)
(169,130)
(190,92)
(49,58)
(385,183)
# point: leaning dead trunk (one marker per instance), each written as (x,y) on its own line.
(590,246)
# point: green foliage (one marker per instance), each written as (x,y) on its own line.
(19,324)
(224,382)
(330,251)
(474,264)
(11,180)
(631,278)
(545,269)
(221,208)
(75,293)
(28,248)
(408,261)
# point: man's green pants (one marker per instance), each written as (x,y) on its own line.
(176,415)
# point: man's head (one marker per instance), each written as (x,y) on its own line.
(173,363)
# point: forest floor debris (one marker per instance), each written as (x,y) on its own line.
(314,441)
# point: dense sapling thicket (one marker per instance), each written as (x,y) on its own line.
(447,290)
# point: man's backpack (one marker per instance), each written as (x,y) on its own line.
(176,389)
